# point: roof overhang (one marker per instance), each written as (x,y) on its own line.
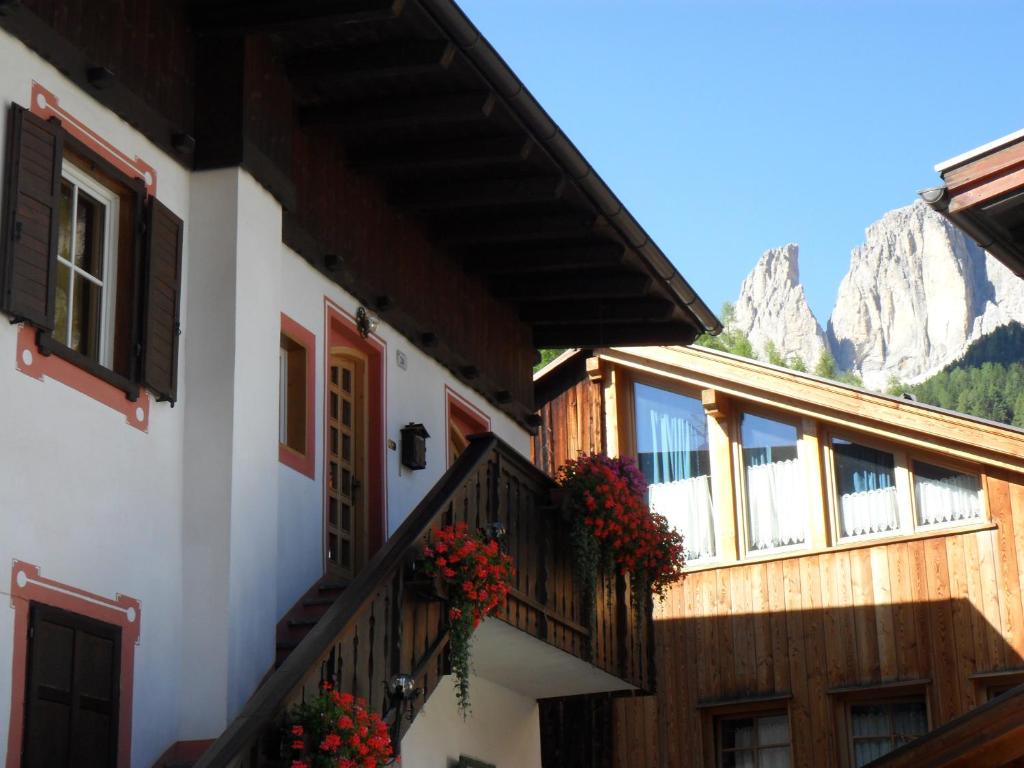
(983,194)
(425,105)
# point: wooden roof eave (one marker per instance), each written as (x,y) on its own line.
(922,426)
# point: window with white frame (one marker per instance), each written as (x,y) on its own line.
(773,483)
(673,454)
(86,266)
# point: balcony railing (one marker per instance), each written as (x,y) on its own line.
(380,626)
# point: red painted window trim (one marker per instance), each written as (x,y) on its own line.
(30,359)
(305,462)
(468,418)
(341,331)
(27,586)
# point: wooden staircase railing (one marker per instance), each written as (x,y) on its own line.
(378,628)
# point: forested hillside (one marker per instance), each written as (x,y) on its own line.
(988,381)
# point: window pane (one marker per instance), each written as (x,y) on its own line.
(866,486)
(672,452)
(742,759)
(869,720)
(64,222)
(776,512)
(909,720)
(945,495)
(774,757)
(737,732)
(772,730)
(864,751)
(89,221)
(85,317)
(60,331)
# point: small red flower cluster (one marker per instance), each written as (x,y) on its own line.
(336,730)
(478,573)
(609,493)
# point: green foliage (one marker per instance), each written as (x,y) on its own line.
(730,339)
(797,363)
(826,366)
(546,356)
(771,352)
(988,381)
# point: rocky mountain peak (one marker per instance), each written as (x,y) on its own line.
(772,308)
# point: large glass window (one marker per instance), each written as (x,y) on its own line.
(774,483)
(672,451)
(878,728)
(945,496)
(754,742)
(865,484)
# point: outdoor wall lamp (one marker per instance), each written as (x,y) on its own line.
(402,691)
(365,323)
(495,531)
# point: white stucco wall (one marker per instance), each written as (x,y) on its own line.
(196,518)
(503,728)
(93,502)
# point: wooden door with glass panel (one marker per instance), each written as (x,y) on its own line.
(346,535)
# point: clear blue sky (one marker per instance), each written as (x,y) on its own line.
(731,126)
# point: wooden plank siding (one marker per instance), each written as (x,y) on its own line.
(938,612)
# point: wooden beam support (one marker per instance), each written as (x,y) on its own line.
(716,405)
(477,193)
(402,113)
(608,285)
(509,229)
(543,259)
(622,310)
(405,156)
(397,57)
(275,16)
(613,334)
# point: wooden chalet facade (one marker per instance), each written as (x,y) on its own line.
(856,564)
(271,269)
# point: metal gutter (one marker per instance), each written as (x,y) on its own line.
(463,33)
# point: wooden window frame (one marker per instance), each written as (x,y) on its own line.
(629,447)
(844,698)
(740,481)
(299,338)
(903,473)
(713,713)
(985,683)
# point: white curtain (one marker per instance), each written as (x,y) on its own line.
(687,506)
(950,499)
(869,511)
(675,442)
(775,502)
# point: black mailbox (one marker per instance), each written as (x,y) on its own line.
(414,446)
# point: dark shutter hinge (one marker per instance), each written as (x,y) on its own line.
(177,329)
(17,231)
(31,632)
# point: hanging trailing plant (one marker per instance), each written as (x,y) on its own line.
(477,575)
(612,525)
(337,730)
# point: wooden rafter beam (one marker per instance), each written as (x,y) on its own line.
(273,15)
(559,287)
(477,193)
(397,157)
(398,57)
(402,113)
(648,309)
(612,334)
(527,258)
(510,229)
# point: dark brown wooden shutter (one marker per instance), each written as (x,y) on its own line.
(28,253)
(72,691)
(161,301)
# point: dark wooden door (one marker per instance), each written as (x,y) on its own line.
(72,687)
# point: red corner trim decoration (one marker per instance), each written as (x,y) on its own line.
(34,363)
(341,331)
(302,462)
(46,105)
(28,586)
